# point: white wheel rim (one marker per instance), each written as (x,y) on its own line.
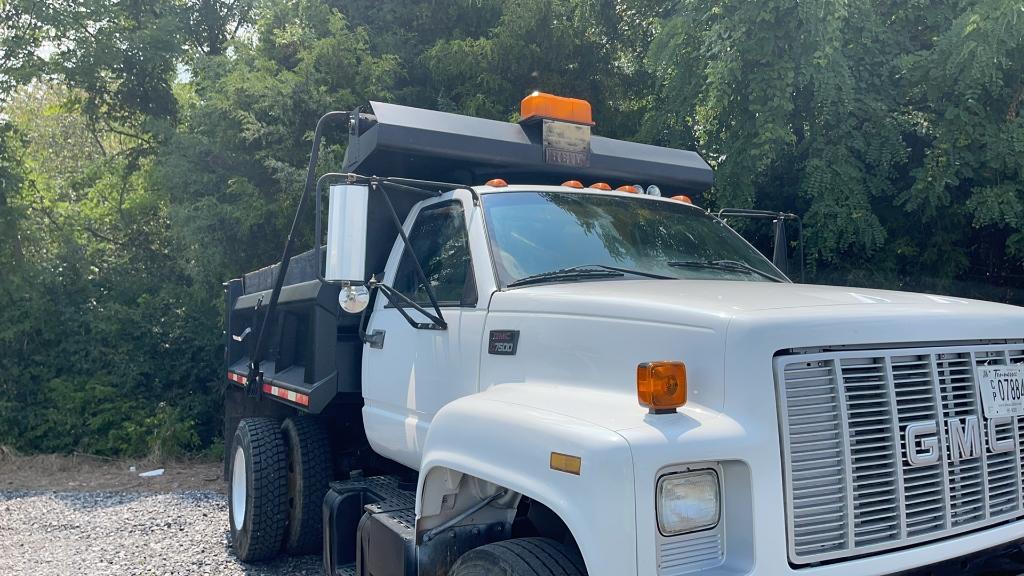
(238,489)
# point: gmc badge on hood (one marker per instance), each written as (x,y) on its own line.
(503,342)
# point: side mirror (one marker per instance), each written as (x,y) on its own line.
(347,223)
(780,251)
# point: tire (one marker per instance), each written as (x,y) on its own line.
(258,491)
(521,557)
(309,477)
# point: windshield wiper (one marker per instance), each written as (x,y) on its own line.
(582,272)
(731,265)
(628,271)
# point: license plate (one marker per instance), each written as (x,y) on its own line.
(1002,390)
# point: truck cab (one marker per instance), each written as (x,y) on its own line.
(494,368)
(494,256)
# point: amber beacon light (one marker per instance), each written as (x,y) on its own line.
(548,106)
(661,386)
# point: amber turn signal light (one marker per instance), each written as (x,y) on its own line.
(661,386)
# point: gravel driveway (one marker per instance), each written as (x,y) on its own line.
(91,533)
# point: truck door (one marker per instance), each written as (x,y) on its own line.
(417,371)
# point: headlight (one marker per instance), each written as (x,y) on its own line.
(688,502)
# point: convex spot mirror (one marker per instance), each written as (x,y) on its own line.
(354,299)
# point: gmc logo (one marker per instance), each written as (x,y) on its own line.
(963,440)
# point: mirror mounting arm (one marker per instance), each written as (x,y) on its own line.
(438,320)
(394,297)
(400,302)
(779,232)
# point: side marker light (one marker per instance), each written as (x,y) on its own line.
(566,463)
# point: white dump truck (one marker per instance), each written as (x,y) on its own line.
(523,349)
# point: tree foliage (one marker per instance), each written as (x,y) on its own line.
(150,150)
(893,128)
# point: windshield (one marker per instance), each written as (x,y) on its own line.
(536,233)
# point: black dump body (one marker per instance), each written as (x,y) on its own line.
(309,337)
(314,349)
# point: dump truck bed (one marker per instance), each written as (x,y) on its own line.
(314,350)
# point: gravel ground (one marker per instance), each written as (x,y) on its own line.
(93,533)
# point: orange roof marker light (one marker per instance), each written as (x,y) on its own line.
(631,188)
(540,106)
(600,186)
(572,184)
(683,198)
(496,183)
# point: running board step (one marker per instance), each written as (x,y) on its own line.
(370,529)
(348,508)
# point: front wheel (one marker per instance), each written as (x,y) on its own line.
(258,495)
(521,557)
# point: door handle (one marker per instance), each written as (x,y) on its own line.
(375,339)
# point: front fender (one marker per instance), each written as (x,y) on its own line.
(511,444)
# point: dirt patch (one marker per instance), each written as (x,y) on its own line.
(79,472)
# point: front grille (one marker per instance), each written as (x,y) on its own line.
(850,488)
(694,553)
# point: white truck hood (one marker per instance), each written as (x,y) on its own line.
(580,343)
(715,299)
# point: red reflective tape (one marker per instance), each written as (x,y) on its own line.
(288,395)
(237,378)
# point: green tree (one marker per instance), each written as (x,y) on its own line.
(102,318)
(892,128)
(233,171)
(964,94)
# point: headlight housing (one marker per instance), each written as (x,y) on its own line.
(688,502)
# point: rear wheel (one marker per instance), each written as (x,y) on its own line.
(309,476)
(258,503)
(521,557)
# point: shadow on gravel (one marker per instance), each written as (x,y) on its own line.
(280,566)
